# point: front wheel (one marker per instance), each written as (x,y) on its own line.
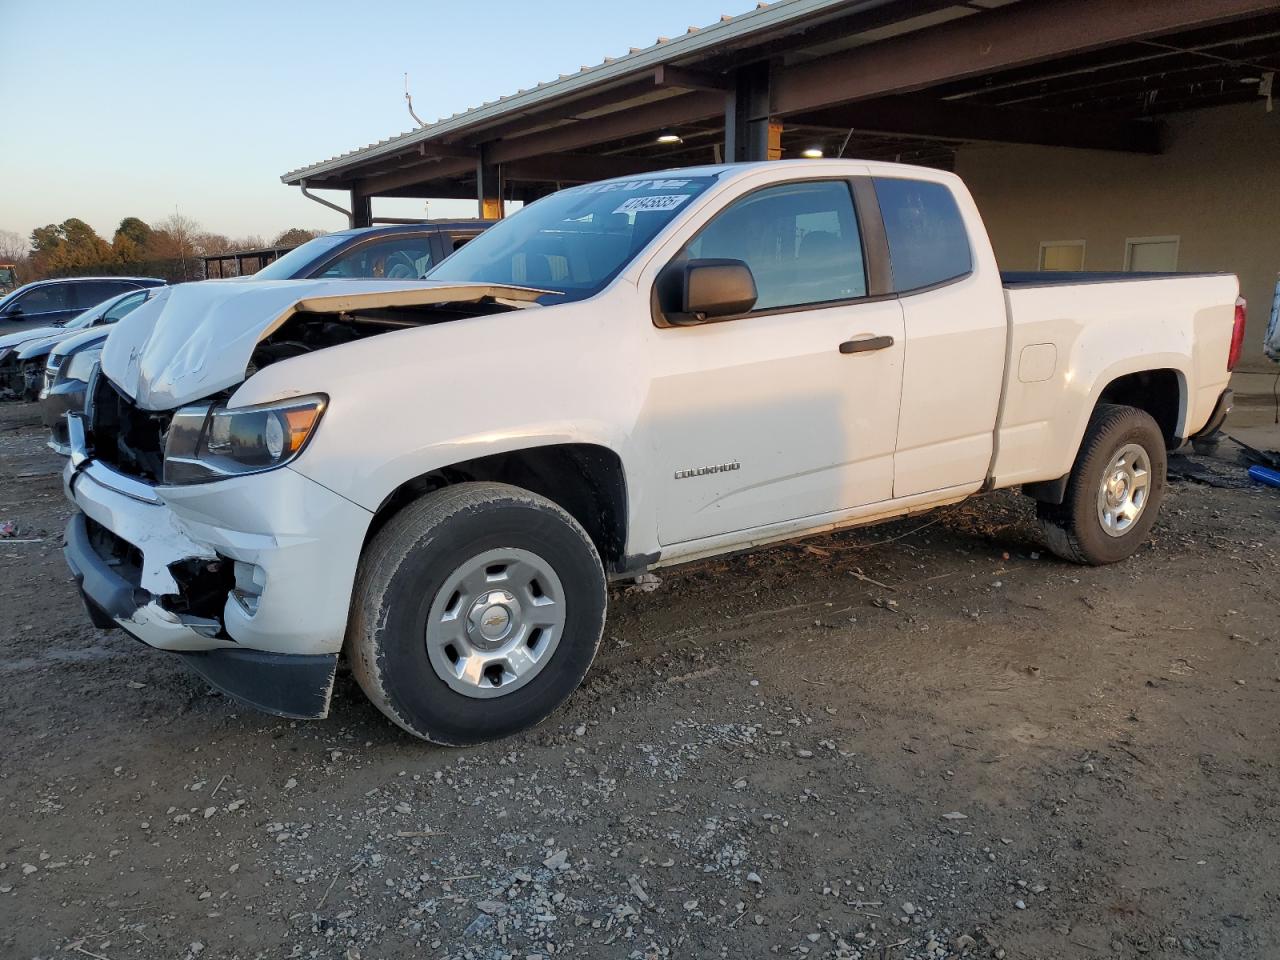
(1114,491)
(478,610)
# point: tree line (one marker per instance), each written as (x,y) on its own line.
(170,249)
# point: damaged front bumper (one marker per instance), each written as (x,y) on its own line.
(248,579)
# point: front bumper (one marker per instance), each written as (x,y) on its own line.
(65,397)
(287,685)
(132,549)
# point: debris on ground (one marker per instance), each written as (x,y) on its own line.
(645,583)
(769,758)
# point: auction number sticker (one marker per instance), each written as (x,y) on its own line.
(650,204)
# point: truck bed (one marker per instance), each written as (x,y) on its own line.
(1063,278)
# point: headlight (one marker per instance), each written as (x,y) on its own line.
(208,443)
(80,365)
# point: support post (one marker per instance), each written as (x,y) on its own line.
(361,210)
(747,133)
(488,186)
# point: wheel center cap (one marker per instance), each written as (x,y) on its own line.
(493,617)
(1118,489)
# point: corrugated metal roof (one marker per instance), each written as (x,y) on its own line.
(766,16)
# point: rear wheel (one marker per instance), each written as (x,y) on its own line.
(478,610)
(1114,492)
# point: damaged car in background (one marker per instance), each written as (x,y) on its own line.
(439,476)
(39,359)
(50,311)
(67,370)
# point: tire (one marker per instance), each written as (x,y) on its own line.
(411,645)
(1075,530)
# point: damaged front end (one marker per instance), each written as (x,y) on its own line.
(153,569)
(12,378)
(194,535)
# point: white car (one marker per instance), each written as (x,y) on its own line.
(439,476)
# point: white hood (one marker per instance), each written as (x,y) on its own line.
(196,339)
(22,336)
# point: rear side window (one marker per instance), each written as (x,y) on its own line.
(927,240)
(90,293)
(396,258)
(124,307)
(799,239)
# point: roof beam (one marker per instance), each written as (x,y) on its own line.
(1011,36)
(689,108)
(563,109)
(579,167)
(669,76)
(917,115)
(411,176)
(448,151)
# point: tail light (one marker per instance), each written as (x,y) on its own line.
(1237,335)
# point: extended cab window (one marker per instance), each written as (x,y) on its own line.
(799,239)
(927,240)
(575,241)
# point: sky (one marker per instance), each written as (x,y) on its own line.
(138,108)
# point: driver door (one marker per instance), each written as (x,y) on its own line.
(788,411)
(44,305)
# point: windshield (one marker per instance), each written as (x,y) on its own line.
(574,241)
(290,266)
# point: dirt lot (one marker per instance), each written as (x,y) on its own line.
(908,741)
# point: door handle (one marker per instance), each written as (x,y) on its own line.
(866,344)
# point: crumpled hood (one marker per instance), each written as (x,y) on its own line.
(196,339)
(39,345)
(22,336)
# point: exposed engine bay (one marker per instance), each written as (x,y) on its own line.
(133,440)
(308,330)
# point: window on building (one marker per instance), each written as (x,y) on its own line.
(800,240)
(1062,255)
(1151,254)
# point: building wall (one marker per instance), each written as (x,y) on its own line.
(1216,186)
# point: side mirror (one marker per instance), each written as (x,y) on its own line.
(14,311)
(692,291)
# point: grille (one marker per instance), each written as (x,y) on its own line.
(123,435)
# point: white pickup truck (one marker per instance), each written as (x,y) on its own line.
(439,476)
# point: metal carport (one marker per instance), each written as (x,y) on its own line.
(878,79)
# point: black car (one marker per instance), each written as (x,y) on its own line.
(403,251)
(49,303)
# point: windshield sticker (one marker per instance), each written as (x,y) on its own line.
(647,184)
(651,204)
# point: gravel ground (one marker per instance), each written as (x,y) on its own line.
(925,739)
